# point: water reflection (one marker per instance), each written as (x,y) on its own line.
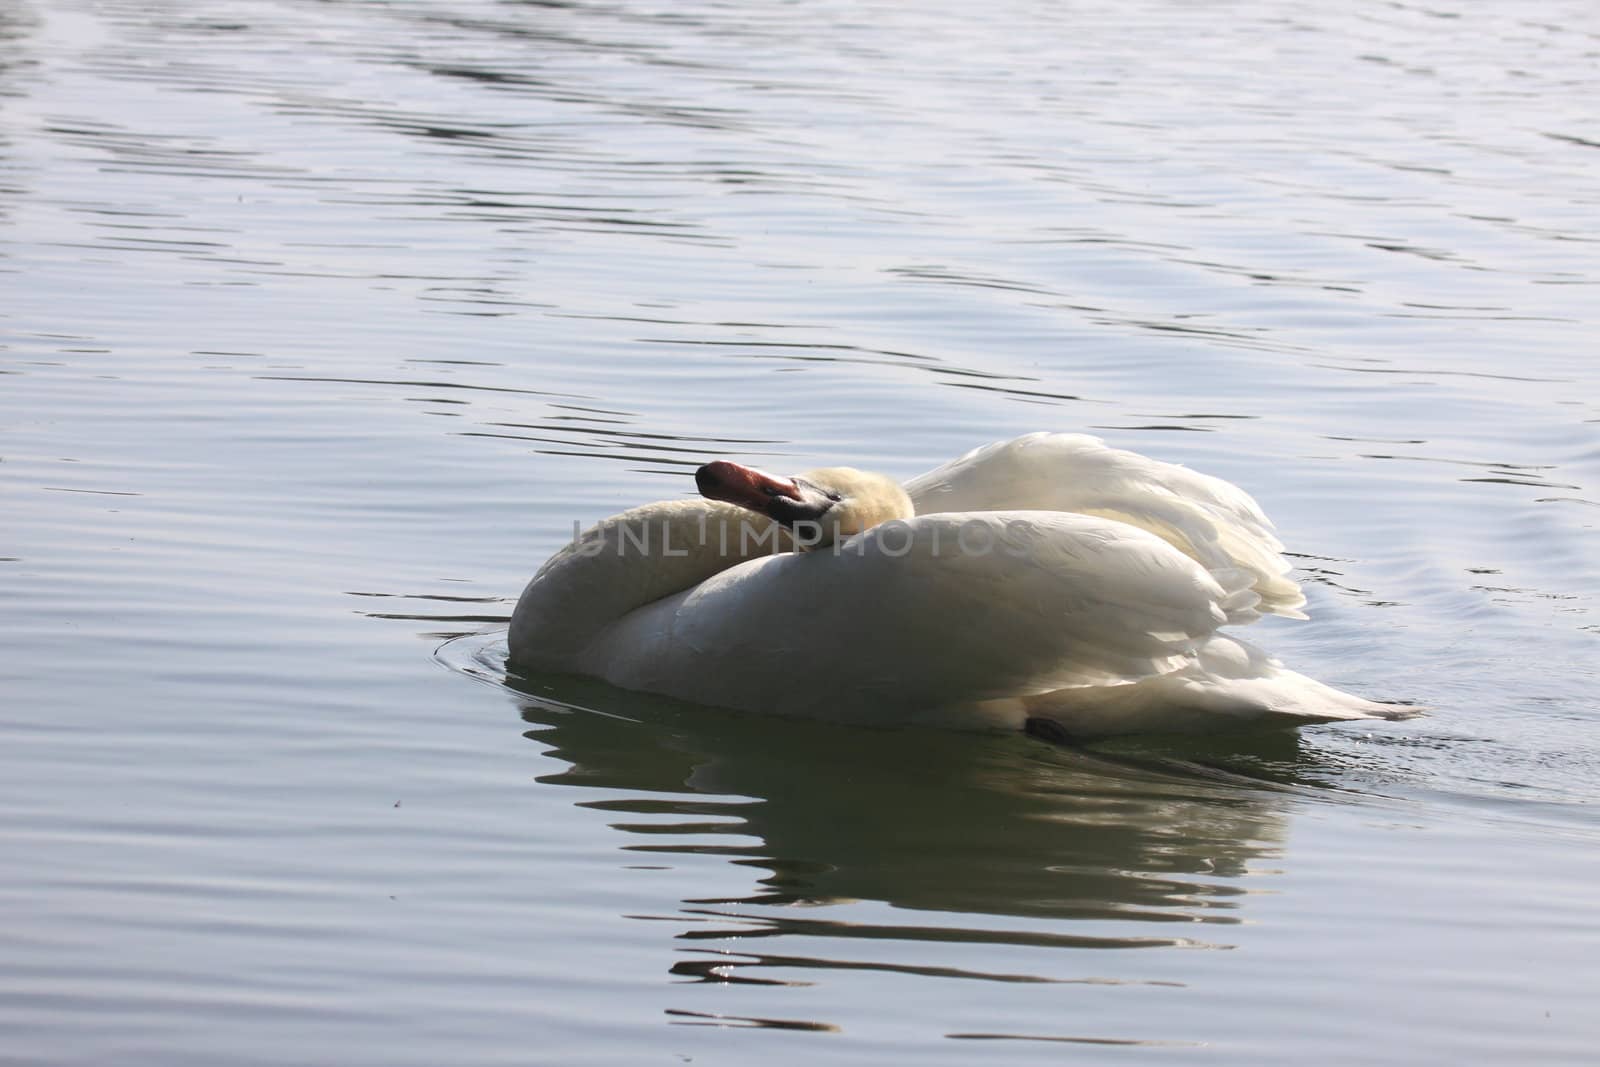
(1121,847)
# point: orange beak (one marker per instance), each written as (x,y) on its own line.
(745,486)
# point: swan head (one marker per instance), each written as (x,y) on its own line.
(820,507)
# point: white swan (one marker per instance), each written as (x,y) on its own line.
(1049,583)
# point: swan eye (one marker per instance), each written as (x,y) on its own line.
(828,494)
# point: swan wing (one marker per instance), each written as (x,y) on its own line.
(1229,684)
(1210,520)
(933,612)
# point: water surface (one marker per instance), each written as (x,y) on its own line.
(323,323)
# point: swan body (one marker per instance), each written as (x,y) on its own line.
(1049,582)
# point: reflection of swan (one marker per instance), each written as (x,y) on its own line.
(1049,581)
(925,820)
(865,854)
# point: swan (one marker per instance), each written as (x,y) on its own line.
(1050,583)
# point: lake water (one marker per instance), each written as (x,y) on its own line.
(324,322)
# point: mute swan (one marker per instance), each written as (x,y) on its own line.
(1048,583)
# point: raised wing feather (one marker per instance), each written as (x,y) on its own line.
(1212,521)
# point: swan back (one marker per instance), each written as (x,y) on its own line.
(914,616)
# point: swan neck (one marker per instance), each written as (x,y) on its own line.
(625,562)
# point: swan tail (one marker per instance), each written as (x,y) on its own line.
(1229,686)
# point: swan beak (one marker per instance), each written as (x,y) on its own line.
(745,486)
